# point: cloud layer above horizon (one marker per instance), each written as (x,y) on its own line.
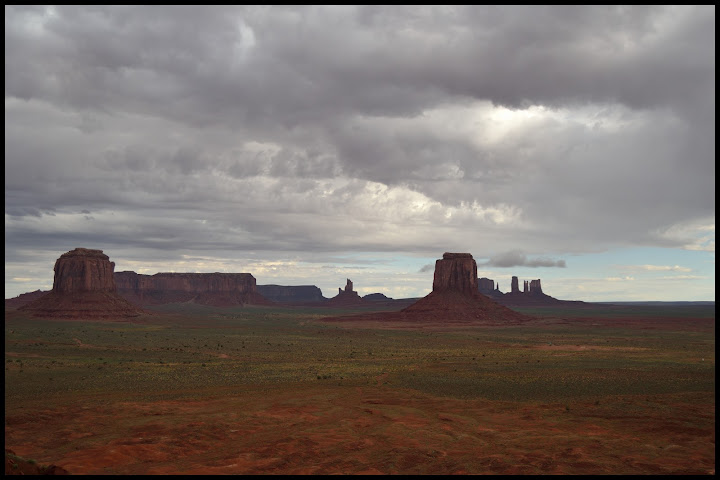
(299,134)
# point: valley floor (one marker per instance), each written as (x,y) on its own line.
(278,391)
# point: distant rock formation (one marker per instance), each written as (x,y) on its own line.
(376,297)
(24,298)
(489,288)
(291,294)
(514,285)
(83,286)
(345,297)
(531,294)
(485,285)
(216,289)
(454,300)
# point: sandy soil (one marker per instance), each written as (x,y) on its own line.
(373,429)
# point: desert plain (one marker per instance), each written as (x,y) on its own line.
(191,389)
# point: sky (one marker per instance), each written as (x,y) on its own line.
(310,144)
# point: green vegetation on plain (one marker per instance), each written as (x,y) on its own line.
(184,351)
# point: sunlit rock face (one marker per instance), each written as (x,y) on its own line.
(217,289)
(456,272)
(83,287)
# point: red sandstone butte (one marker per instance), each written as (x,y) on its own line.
(216,289)
(455,296)
(83,286)
(345,297)
(456,271)
(84,270)
(455,300)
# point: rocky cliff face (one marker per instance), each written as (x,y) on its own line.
(84,270)
(219,289)
(514,287)
(291,294)
(83,286)
(457,272)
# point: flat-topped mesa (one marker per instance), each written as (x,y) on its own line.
(451,256)
(486,285)
(84,270)
(456,272)
(190,282)
(291,294)
(83,287)
(535,286)
(219,289)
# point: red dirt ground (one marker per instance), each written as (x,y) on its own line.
(373,429)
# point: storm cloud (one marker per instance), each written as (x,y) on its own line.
(279,133)
(519,259)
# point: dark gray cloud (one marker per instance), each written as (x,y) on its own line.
(310,130)
(518,259)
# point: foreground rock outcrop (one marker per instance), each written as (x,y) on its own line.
(216,289)
(16,465)
(83,287)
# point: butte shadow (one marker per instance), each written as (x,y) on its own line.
(454,302)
